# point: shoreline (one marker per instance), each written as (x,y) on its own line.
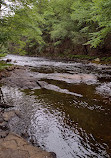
(11,144)
(77,58)
(85,59)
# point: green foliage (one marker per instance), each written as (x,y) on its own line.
(61,20)
(82,57)
(3,50)
(101,13)
(4,65)
(54,21)
(106,59)
(21,30)
(57,43)
(2,55)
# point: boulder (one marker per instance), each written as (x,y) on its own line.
(9,114)
(97,60)
(14,146)
(10,68)
(8,60)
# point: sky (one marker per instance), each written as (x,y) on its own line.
(5,10)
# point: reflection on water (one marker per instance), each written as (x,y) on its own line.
(71,114)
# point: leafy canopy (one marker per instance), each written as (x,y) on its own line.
(44,21)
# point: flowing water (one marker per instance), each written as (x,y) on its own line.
(71,114)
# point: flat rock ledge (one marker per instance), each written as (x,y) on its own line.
(14,146)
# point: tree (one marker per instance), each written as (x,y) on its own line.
(101,14)
(14,28)
(43,22)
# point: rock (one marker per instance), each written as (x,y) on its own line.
(1,119)
(14,146)
(4,126)
(4,123)
(10,153)
(97,60)
(8,115)
(18,113)
(20,77)
(4,73)
(3,134)
(39,84)
(8,60)
(53,155)
(25,135)
(33,141)
(10,68)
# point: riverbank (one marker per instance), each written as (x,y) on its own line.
(11,144)
(79,58)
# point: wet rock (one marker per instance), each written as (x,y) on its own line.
(20,77)
(14,146)
(10,68)
(18,113)
(8,60)
(39,84)
(25,135)
(3,123)
(33,141)
(53,155)
(1,119)
(4,126)
(9,114)
(3,74)
(45,85)
(3,134)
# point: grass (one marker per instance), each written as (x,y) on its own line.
(82,57)
(106,59)
(3,54)
(4,65)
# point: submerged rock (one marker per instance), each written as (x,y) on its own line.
(9,114)
(8,60)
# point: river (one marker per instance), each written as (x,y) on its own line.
(71,115)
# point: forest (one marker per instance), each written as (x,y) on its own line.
(61,27)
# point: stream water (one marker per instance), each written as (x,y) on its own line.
(71,115)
